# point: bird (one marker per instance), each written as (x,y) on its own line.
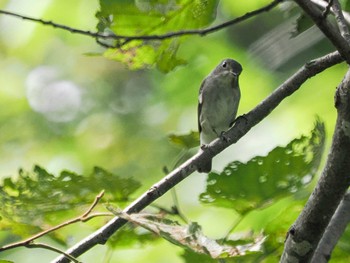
(218,101)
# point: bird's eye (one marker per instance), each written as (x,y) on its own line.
(224,65)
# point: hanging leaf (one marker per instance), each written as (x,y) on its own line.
(156,17)
(263,180)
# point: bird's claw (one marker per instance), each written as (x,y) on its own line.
(224,137)
(204,146)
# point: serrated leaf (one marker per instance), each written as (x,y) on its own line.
(135,55)
(38,196)
(189,236)
(262,180)
(186,141)
(144,17)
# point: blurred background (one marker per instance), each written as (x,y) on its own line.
(65,109)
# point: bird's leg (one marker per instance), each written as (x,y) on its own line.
(224,137)
(204,146)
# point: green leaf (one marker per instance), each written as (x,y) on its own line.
(38,196)
(262,180)
(277,228)
(189,257)
(156,17)
(129,236)
(346,5)
(186,141)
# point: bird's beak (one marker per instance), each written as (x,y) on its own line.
(234,74)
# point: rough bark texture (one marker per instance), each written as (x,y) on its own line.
(334,231)
(305,234)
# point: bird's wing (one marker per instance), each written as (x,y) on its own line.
(200,104)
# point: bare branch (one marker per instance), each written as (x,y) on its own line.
(94,204)
(324,4)
(83,218)
(343,28)
(241,127)
(326,27)
(48,247)
(125,39)
(328,8)
(56,25)
(335,229)
(306,233)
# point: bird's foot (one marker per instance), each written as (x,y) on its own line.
(224,137)
(204,146)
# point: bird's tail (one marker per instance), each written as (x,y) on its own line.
(205,167)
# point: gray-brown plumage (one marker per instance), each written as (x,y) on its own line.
(218,101)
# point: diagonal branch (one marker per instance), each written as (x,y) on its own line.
(339,16)
(326,27)
(242,126)
(98,36)
(328,8)
(306,233)
(334,231)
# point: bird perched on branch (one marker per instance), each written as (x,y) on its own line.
(218,101)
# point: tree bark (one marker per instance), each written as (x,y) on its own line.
(306,233)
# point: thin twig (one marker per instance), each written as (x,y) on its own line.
(48,247)
(93,205)
(98,36)
(327,9)
(324,4)
(242,126)
(83,218)
(328,29)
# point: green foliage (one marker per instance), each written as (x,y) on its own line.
(123,121)
(185,141)
(345,5)
(277,228)
(38,196)
(129,236)
(263,180)
(135,18)
(342,250)
(191,257)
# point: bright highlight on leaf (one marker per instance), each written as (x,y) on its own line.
(190,236)
(134,18)
(262,180)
